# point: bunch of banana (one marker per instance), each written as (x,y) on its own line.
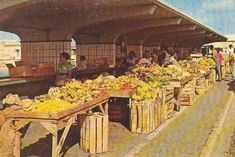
(53,106)
(206,61)
(145,92)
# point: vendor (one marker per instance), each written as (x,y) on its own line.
(83,63)
(164,57)
(64,69)
(131,60)
(173,60)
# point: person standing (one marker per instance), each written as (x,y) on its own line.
(232,64)
(131,60)
(214,55)
(218,60)
(164,57)
(83,63)
(64,70)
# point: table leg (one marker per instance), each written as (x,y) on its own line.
(54,144)
(17,144)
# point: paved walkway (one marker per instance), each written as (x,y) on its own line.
(187,135)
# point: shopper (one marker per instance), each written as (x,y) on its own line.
(64,69)
(232,64)
(144,60)
(218,60)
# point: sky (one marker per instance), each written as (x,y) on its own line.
(217,14)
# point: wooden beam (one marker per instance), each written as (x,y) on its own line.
(138,37)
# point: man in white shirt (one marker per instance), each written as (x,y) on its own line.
(230,50)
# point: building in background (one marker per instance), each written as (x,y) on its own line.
(10,51)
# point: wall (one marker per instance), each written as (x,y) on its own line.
(44,51)
(94,52)
(138,49)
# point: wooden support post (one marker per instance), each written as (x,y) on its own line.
(54,143)
(64,135)
(17,144)
(106,107)
(105,132)
(101,108)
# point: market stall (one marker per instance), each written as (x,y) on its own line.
(103,32)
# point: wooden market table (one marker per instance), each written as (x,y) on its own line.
(50,121)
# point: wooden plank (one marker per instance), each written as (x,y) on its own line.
(144,127)
(54,144)
(101,108)
(52,128)
(105,132)
(155,115)
(140,118)
(82,128)
(92,137)
(87,135)
(99,136)
(106,108)
(17,144)
(134,117)
(146,105)
(151,117)
(64,135)
(20,124)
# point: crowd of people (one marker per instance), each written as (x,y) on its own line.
(218,55)
(162,57)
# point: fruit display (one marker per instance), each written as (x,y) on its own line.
(206,62)
(189,66)
(112,83)
(73,92)
(53,105)
(145,92)
(160,74)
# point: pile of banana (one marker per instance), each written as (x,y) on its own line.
(53,106)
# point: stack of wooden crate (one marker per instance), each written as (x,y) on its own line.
(169,101)
(145,116)
(201,86)
(212,76)
(187,95)
(93,132)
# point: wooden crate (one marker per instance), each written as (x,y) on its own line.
(212,76)
(170,109)
(118,112)
(187,95)
(93,132)
(44,69)
(144,116)
(20,71)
